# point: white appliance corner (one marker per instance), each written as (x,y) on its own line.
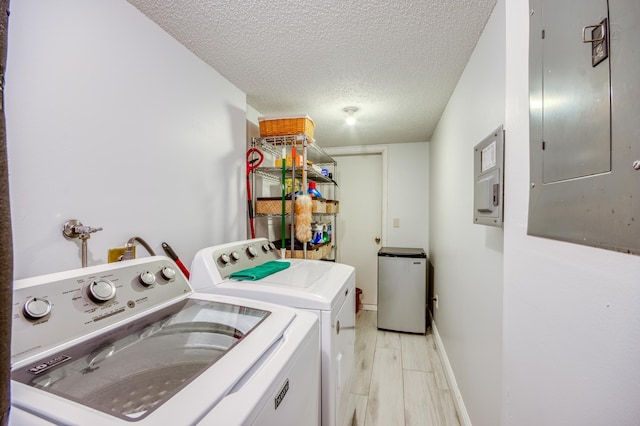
(463,415)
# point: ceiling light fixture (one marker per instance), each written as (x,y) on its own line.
(350,115)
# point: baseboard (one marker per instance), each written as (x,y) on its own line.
(463,415)
(369,307)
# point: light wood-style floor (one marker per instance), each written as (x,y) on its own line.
(398,379)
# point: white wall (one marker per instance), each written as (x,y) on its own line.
(113,122)
(407,191)
(570,324)
(571,313)
(467,258)
(408,195)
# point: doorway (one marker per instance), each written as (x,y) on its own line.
(362,181)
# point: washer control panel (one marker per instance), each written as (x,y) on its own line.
(53,309)
(244,255)
(232,257)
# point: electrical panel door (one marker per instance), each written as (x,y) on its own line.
(584,132)
(576,134)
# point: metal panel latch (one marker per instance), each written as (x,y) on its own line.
(598,40)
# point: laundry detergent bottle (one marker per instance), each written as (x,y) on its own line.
(313,191)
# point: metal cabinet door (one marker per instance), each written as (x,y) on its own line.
(584,132)
(575,94)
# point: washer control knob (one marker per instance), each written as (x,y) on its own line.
(36,308)
(251,251)
(147,278)
(224,259)
(272,246)
(101,291)
(266,248)
(168,273)
(235,256)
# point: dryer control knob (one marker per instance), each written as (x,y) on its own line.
(235,256)
(147,278)
(266,248)
(272,246)
(251,251)
(101,291)
(168,273)
(224,259)
(36,308)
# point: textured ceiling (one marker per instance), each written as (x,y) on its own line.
(397,61)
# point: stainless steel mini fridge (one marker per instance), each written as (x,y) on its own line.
(402,289)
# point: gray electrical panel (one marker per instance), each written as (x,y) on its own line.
(584,131)
(488,172)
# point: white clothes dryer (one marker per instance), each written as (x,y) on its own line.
(325,288)
(130,343)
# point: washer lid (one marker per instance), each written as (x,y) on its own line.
(132,370)
(306,284)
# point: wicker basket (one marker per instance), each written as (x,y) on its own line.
(283,126)
(319,206)
(272,206)
(315,253)
(312,254)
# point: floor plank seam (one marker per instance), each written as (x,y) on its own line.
(403,374)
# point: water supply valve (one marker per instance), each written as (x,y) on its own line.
(75,229)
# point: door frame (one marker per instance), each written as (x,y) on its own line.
(341,151)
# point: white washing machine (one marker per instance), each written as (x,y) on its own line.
(325,288)
(130,343)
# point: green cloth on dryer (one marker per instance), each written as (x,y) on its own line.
(259,272)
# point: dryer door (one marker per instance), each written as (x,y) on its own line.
(343,352)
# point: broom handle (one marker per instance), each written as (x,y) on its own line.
(283,248)
(293,198)
(304,185)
